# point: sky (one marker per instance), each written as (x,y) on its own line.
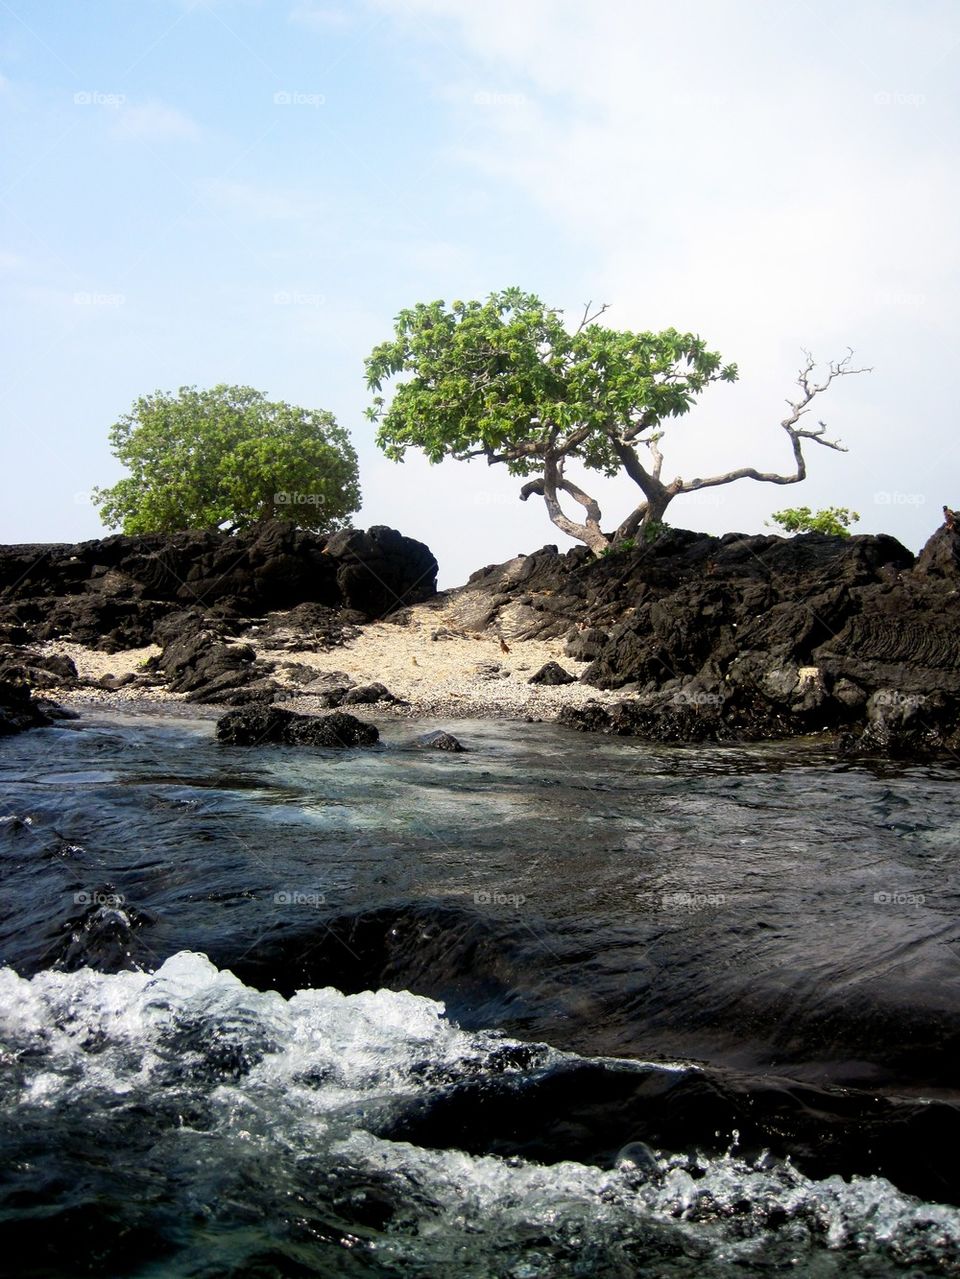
(248,191)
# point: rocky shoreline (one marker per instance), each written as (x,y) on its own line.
(693,638)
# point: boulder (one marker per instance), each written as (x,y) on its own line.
(37,670)
(111,683)
(379,572)
(552,673)
(367,694)
(18,710)
(272,725)
(940,557)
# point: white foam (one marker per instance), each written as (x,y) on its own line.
(313,1069)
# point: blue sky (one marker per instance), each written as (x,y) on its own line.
(243,191)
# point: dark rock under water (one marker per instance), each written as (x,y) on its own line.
(400,1013)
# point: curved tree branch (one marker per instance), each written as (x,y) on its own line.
(797,433)
(547,485)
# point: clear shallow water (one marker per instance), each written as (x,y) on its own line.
(745,958)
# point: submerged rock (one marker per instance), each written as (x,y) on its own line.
(440,741)
(264,725)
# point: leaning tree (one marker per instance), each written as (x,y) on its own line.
(506,380)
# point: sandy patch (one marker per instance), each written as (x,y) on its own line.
(456,674)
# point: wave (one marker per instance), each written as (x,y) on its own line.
(184,1115)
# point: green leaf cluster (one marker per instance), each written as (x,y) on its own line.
(830,519)
(227,456)
(505,378)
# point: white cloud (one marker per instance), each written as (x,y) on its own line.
(154,122)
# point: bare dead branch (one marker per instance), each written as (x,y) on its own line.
(588,318)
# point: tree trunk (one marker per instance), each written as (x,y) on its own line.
(547,485)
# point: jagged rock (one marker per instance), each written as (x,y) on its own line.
(552,673)
(587,644)
(114,592)
(197,660)
(740,636)
(940,556)
(380,571)
(272,725)
(18,710)
(37,670)
(440,741)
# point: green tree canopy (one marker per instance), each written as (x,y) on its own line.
(228,457)
(506,380)
(830,519)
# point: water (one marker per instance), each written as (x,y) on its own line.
(270,1013)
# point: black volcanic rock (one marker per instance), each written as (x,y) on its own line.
(745,637)
(37,670)
(941,556)
(379,571)
(272,725)
(114,593)
(194,592)
(18,710)
(552,673)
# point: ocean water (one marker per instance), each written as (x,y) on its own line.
(562,1005)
